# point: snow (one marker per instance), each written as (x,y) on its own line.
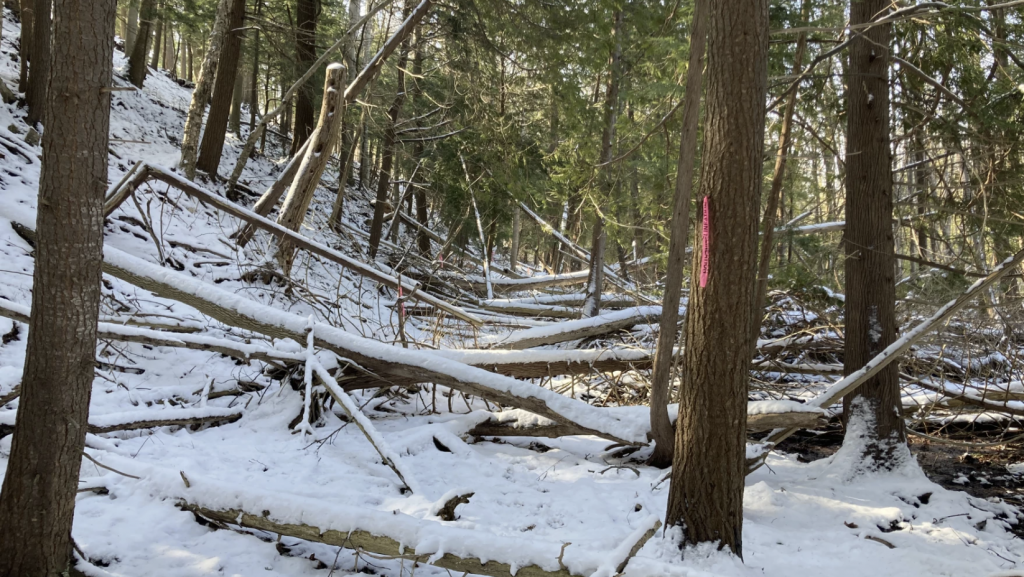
(799,518)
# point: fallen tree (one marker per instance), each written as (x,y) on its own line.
(147,173)
(144,419)
(600,325)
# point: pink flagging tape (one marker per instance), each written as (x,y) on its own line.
(705,250)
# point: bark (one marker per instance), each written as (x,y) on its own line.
(238,96)
(37,501)
(212,145)
(40,64)
(137,69)
(595,281)
(661,427)
(706,496)
(517,227)
(321,143)
(25,43)
(194,118)
(388,148)
(353,90)
(305,50)
(132,26)
(169,51)
(158,40)
(869,245)
(775,193)
(254,80)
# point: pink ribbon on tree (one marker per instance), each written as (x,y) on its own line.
(705,250)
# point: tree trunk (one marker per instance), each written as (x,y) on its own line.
(169,52)
(388,147)
(137,61)
(323,139)
(238,96)
(872,414)
(305,50)
(132,26)
(40,65)
(194,119)
(37,502)
(595,283)
(223,93)
(254,80)
(158,44)
(661,425)
(25,43)
(706,495)
(771,211)
(517,227)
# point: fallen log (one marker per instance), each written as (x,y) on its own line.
(479,284)
(604,324)
(149,172)
(146,419)
(761,416)
(373,356)
(895,350)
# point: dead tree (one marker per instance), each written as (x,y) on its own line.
(37,502)
(314,161)
(706,496)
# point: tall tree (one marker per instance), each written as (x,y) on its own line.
(37,502)
(212,145)
(194,118)
(305,53)
(137,61)
(25,43)
(661,424)
(873,411)
(38,74)
(706,496)
(131,26)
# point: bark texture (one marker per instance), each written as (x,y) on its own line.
(661,425)
(305,49)
(870,251)
(212,145)
(706,496)
(137,61)
(39,72)
(37,501)
(194,119)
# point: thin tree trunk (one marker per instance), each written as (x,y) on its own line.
(874,424)
(237,98)
(25,43)
(158,44)
(254,97)
(706,494)
(137,61)
(212,145)
(132,26)
(194,119)
(661,425)
(388,146)
(37,502)
(305,50)
(40,65)
(517,226)
(775,193)
(595,283)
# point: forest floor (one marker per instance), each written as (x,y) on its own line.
(822,517)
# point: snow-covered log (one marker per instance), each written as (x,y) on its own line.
(894,351)
(149,172)
(605,324)
(372,355)
(145,419)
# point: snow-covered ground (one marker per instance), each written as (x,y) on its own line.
(531,496)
